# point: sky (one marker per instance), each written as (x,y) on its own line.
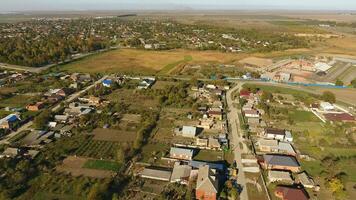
(45,5)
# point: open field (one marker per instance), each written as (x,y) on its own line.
(144,62)
(76,167)
(133,98)
(112,135)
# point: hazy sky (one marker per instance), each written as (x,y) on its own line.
(20,5)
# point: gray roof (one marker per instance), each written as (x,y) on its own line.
(281,160)
(270,143)
(182,151)
(207,181)
(156,174)
(286,147)
(279,175)
(180,172)
(189,131)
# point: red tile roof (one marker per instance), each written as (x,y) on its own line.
(287,193)
(245,93)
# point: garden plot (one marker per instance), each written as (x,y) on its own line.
(76,167)
(112,135)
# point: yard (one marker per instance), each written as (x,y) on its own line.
(209,155)
(17,101)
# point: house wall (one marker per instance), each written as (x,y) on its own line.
(202,195)
(279,167)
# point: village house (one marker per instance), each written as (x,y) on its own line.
(305,180)
(203,142)
(278,134)
(188,131)
(280,162)
(245,94)
(10,153)
(107,83)
(181,153)
(289,193)
(286,148)
(60,92)
(146,83)
(213,143)
(268,145)
(206,123)
(207,184)
(35,107)
(326,106)
(156,174)
(279,176)
(181,173)
(215,113)
(8,121)
(252,113)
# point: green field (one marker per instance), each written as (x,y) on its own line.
(303,116)
(102,165)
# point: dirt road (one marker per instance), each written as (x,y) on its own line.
(235,140)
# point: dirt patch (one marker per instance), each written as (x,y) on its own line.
(113,135)
(131,118)
(74,166)
(258,62)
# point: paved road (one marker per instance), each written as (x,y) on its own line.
(235,139)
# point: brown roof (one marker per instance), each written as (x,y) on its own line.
(339,117)
(275,131)
(287,193)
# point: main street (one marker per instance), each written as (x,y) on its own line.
(236,139)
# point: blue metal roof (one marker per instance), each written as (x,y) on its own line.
(12,118)
(107,81)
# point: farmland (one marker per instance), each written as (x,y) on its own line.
(98,149)
(144,62)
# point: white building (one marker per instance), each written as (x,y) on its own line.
(326,106)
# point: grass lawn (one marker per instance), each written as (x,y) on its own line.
(102,165)
(303,116)
(209,155)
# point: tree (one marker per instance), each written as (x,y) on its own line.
(339,82)
(353,83)
(328,97)
(42,119)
